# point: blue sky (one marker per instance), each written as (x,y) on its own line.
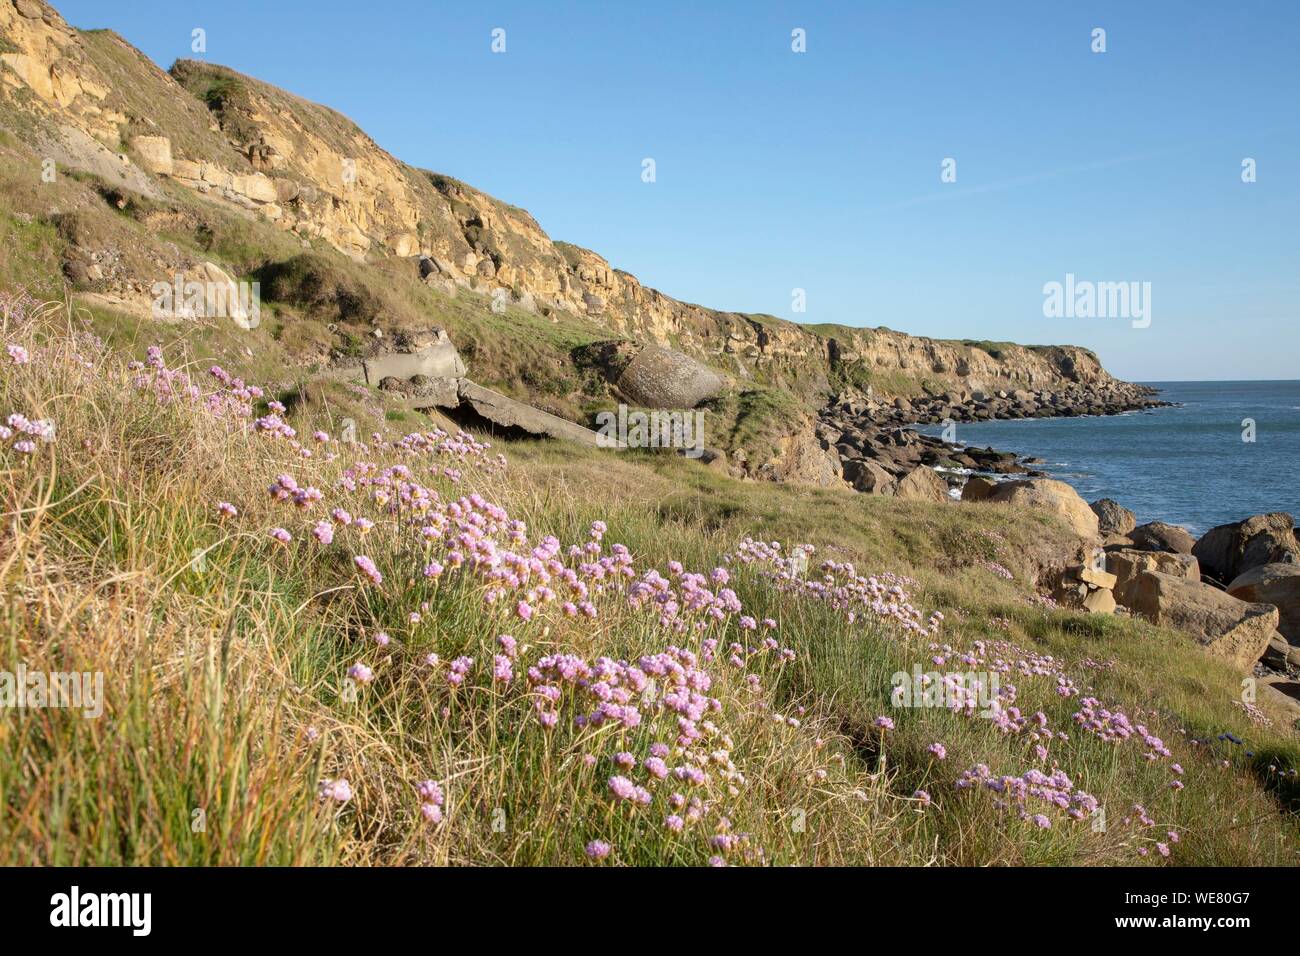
(821,170)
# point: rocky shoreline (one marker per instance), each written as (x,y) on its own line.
(880,451)
(978,406)
(1235,590)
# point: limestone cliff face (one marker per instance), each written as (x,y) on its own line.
(315,174)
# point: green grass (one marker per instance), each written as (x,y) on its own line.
(225,659)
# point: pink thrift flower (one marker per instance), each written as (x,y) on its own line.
(501,670)
(367,567)
(622,788)
(340,791)
(360,673)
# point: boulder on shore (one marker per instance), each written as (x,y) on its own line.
(867,476)
(1228,629)
(978,489)
(1050,495)
(1127,564)
(922,484)
(1233,549)
(1275,584)
(1159,536)
(1112,517)
(1280,655)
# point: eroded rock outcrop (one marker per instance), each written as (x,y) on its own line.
(316,175)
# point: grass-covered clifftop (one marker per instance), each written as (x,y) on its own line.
(408,649)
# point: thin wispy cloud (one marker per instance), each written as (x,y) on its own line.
(1002,185)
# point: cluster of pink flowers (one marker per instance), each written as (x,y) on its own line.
(1115,726)
(367,567)
(285,488)
(22,433)
(1031,790)
(882,596)
(340,791)
(687,773)
(432,801)
(998,569)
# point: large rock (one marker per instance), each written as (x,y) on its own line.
(226,299)
(257,187)
(1228,629)
(437,358)
(1275,584)
(1112,517)
(155,153)
(1282,684)
(1050,495)
(922,484)
(1159,536)
(1283,693)
(659,377)
(1280,655)
(1099,601)
(1232,549)
(1127,564)
(802,458)
(978,489)
(509,414)
(868,477)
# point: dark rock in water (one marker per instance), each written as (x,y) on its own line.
(1159,536)
(1113,517)
(869,430)
(1232,549)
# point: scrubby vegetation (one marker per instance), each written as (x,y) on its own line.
(322,645)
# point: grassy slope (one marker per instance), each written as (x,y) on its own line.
(225,657)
